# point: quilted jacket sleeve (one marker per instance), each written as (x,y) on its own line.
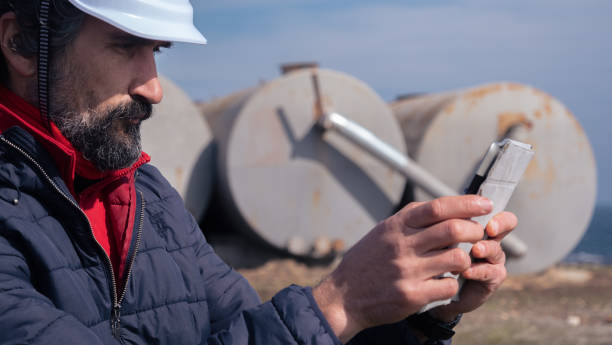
(238,316)
(28,317)
(291,317)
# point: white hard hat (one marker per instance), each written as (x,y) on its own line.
(162,20)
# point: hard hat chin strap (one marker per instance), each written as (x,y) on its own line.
(43,61)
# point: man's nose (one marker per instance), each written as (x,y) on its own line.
(145,83)
(150,90)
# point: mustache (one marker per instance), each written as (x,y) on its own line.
(137,109)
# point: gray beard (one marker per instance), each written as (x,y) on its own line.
(107,139)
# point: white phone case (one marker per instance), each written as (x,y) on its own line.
(496,178)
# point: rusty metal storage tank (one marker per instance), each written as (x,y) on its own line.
(180,144)
(447,133)
(282,179)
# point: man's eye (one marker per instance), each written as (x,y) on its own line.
(159,49)
(125,48)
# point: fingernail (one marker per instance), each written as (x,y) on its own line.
(493,226)
(486,204)
(479,248)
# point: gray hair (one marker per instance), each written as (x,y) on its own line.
(64,21)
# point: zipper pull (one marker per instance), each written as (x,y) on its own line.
(115,321)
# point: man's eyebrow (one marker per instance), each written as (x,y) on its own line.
(138,41)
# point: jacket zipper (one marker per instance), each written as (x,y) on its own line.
(116,309)
(116,314)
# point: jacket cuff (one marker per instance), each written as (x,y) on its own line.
(299,311)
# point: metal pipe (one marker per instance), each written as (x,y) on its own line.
(369,142)
(386,153)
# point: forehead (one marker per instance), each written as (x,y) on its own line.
(95,30)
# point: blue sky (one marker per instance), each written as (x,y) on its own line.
(562,47)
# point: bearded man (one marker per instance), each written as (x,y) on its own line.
(97,248)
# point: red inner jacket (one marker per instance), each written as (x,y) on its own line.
(109,204)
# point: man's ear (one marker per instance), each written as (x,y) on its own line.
(17,64)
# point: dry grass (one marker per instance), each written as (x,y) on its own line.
(562,306)
(566,305)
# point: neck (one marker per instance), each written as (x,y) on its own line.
(27,89)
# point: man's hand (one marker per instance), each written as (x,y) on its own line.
(486,273)
(390,273)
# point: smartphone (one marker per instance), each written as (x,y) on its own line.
(483,169)
(495,178)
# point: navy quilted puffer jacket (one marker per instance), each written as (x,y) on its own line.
(56,286)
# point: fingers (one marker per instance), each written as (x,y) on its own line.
(447,260)
(447,233)
(413,205)
(492,270)
(491,275)
(439,289)
(435,211)
(490,251)
(501,225)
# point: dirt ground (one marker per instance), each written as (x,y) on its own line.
(565,305)
(562,306)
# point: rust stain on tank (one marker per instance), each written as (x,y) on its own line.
(515,86)
(316,111)
(481,92)
(316,197)
(547,106)
(540,93)
(449,109)
(538,114)
(178,177)
(319,109)
(546,99)
(533,169)
(575,122)
(509,119)
(547,175)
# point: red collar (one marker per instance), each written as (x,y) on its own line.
(15,111)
